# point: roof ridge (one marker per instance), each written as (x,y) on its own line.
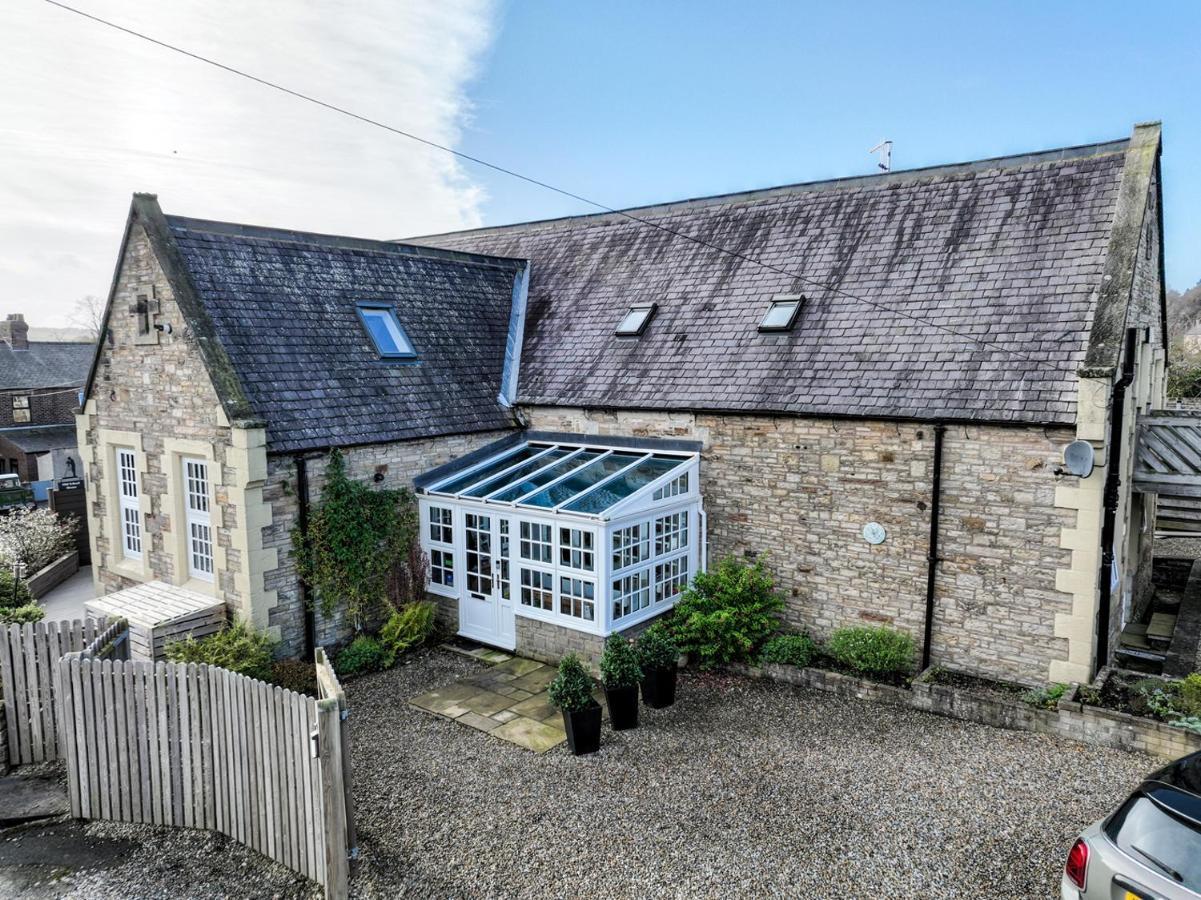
(338,241)
(881,179)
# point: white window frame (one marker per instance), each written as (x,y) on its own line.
(129,503)
(200,540)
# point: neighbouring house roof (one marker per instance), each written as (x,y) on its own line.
(46,364)
(276,317)
(40,438)
(1010,251)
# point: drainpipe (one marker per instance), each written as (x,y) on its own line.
(932,543)
(302,502)
(1113,480)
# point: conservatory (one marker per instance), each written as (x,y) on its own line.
(595,535)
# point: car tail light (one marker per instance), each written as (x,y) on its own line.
(1077,867)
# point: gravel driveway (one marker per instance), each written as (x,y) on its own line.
(744,788)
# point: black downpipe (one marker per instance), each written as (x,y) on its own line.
(1113,480)
(302,501)
(932,544)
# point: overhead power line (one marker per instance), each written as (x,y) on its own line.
(275,86)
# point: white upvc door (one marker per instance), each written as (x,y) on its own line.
(486,596)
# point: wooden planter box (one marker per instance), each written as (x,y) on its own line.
(48,578)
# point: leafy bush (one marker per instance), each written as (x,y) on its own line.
(295,675)
(726,614)
(364,654)
(238,648)
(1045,697)
(619,664)
(657,649)
(788,650)
(1189,723)
(408,627)
(20,615)
(1188,695)
(571,688)
(13,591)
(872,650)
(35,537)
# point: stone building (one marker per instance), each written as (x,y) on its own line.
(871,380)
(40,384)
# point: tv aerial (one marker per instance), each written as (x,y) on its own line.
(884,149)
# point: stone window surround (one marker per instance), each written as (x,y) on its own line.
(175,542)
(110,440)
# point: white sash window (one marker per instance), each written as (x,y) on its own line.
(129,503)
(198,519)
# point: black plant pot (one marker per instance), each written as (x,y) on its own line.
(583,728)
(623,707)
(659,688)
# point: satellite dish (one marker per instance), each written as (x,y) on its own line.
(1078,458)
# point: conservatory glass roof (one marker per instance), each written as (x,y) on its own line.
(554,476)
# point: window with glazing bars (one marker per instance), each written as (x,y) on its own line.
(537,589)
(631,593)
(198,518)
(129,504)
(673,488)
(535,543)
(442,559)
(575,549)
(671,533)
(577,598)
(671,578)
(631,545)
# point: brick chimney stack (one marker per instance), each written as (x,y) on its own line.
(14,332)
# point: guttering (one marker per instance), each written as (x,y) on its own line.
(302,502)
(1113,480)
(932,544)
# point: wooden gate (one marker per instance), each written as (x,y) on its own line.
(197,746)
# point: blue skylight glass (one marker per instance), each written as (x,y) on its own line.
(611,492)
(384,328)
(582,480)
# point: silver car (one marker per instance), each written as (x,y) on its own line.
(1150,848)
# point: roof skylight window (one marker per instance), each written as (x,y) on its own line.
(781,315)
(380,322)
(636,320)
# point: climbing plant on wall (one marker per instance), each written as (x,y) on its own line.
(357,537)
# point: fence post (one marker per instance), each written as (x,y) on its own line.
(333,799)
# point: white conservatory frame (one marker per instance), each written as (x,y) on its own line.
(645,573)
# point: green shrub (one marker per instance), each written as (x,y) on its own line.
(364,654)
(408,627)
(619,664)
(295,675)
(21,615)
(788,650)
(872,650)
(238,648)
(571,688)
(657,649)
(13,591)
(1045,697)
(1188,695)
(1189,723)
(726,614)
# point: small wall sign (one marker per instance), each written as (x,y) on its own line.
(874,533)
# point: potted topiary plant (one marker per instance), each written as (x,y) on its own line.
(658,655)
(620,674)
(571,691)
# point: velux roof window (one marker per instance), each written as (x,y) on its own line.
(636,320)
(781,315)
(380,322)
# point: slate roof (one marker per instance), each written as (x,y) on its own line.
(1009,251)
(46,364)
(283,307)
(40,438)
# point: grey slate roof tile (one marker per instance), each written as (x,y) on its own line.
(283,305)
(1007,251)
(46,364)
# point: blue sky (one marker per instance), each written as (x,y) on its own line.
(634,102)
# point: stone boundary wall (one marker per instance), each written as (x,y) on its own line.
(49,577)
(1071,719)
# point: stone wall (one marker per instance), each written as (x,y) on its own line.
(398,463)
(153,393)
(801,491)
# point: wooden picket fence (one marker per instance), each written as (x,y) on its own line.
(196,746)
(29,657)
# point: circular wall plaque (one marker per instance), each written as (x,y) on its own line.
(874,533)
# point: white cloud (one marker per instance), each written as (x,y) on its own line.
(89,115)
